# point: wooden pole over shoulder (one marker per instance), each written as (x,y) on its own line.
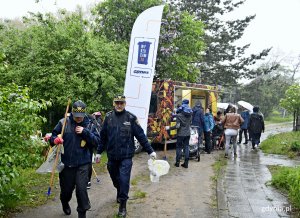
(58,150)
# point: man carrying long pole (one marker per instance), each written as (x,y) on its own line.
(77,140)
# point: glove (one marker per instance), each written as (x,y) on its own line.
(167,127)
(46,138)
(98,158)
(153,155)
(58,140)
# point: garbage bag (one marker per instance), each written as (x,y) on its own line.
(157,168)
(47,166)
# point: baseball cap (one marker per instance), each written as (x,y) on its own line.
(120,98)
(78,109)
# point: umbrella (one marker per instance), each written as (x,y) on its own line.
(246,105)
(225,105)
(222,105)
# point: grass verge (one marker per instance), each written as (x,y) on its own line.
(30,189)
(287,180)
(284,143)
(276,119)
(218,167)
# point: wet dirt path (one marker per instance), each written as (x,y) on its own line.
(243,190)
(181,193)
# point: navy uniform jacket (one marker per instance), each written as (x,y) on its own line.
(117,135)
(75,155)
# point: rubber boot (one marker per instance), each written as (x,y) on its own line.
(122,209)
(185,164)
(176,164)
(82,214)
(66,208)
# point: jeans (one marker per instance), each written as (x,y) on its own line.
(200,139)
(182,143)
(230,133)
(241,135)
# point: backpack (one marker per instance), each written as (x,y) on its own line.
(256,123)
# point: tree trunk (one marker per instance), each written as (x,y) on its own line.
(297,121)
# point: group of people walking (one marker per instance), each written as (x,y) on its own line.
(81,136)
(231,125)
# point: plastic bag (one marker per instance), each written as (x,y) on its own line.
(47,166)
(157,168)
(194,136)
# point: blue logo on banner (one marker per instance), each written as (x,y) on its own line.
(143,52)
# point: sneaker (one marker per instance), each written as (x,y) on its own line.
(226,156)
(89,185)
(245,143)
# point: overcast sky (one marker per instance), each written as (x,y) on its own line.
(276,23)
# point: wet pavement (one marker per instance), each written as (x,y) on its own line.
(243,189)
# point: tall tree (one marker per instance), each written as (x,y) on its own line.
(59,58)
(223,63)
(180,44)
(291,102)
(267,89)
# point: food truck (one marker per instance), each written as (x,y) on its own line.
(166,96)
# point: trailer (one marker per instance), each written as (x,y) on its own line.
(166,96)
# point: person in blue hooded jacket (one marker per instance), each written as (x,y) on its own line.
(183,124)
(77,141)
(209,124)
(244,127)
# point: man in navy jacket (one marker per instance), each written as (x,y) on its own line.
(77,141)
(117,138)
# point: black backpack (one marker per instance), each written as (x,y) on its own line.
(256,123)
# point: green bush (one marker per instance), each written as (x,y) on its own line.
(288,180)
(19,120)
(295,146)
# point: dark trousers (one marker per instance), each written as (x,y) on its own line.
(207,137)
(200,132)
(256,138)
(245,135)
(70,178)
(119,171)
(182,143)
(91,166)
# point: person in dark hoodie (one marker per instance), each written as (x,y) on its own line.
(77,141)
(198,120)
(183,124)
(256,126)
